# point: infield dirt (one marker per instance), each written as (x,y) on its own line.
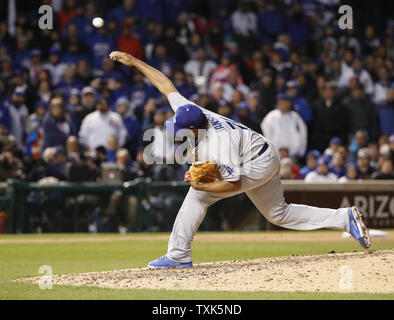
(368,271)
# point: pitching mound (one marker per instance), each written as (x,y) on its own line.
(369,271)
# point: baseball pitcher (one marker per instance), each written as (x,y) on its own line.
(232,159)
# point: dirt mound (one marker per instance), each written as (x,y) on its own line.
(369,271)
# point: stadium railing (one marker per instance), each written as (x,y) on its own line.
(157,203)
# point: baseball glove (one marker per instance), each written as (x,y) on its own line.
(203,171)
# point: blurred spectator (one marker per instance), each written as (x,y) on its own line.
(385,172)
(55,163)
(161,61)
(337,165)
(351,173)
(322,172)
(152,9)
(244,25)
(174,47)
(391,143)
(129,43)
(185,88)
(300,104)
(122,158)
(120,13)
(97,126)
(373,149)
(226,109)
(283,154)
(112,148)
(333,147)
(161,149)
(80,166)
(69,81)
(201,68)
(386,113)
(18,114)
(68,12)
(286,171)
(140,168)
(139,93)
(311,163)
(360,112)
(363,76)
(234,83)
(360,141)
(246,117)
(364,169)
(285,127)
(100,44)
(54,66)
(329,119)
(382,86)
(34,130)
(10,166)
(132,125)
(270,23)
(83,19)
(298,26)
(221,73)
(56,125)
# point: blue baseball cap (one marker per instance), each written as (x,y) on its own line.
(314,153)
(336,140)
(283,96)
(187,116)
(323,160)
(55,50)
(41,103)
(244,105)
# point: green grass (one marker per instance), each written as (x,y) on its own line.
(23,260)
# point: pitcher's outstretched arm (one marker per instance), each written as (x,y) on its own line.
(157,78)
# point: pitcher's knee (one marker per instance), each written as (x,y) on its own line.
(278,215)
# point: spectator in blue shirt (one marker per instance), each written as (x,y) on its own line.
(300,104)
(298,26)
(173,8)
(83,21)
(69,81)
(56,126)
(133,126)
(161,61)
(120,13)
(337,165)
(139,93)
(184,87)
(270,22)
(311,163)
(100,46)
(150,9)
(5,119)
(21,55)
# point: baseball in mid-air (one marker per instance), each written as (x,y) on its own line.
(98,22)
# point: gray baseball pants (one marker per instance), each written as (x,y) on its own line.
(267,195)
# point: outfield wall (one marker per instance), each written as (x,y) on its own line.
(156,204)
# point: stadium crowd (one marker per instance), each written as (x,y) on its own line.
(323,95)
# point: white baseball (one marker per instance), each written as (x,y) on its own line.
(98,22)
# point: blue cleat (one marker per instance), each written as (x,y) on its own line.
(357,228)
(164,262)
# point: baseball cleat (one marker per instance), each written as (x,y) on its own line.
(164,262)
(357,228)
